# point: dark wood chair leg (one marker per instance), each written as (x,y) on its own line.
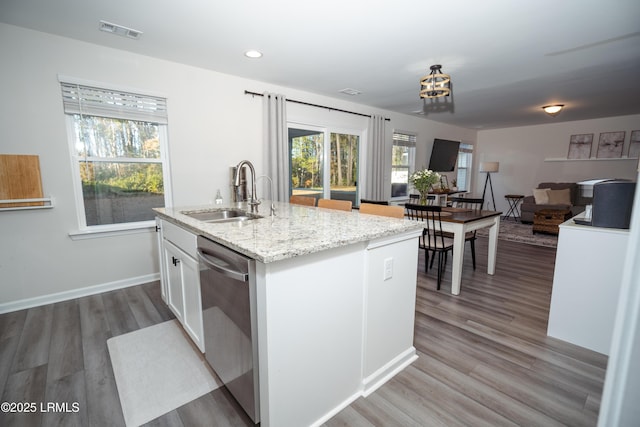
(473,252)
(439,269)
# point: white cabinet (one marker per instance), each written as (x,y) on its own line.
(182,278)
(163,264)
(174,279)
(586,285)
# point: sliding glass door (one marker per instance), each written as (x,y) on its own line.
(312,175)
(306,148)
(344,167)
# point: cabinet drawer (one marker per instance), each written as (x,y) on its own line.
(180,237)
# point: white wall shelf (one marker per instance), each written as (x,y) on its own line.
(47,203)
(592,159)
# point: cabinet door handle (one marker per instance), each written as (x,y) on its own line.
(175,260)
(157,228)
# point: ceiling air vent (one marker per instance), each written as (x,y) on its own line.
(349,91)
(109,27)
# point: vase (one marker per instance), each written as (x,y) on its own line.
(423,196)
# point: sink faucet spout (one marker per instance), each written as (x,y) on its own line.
(254,202)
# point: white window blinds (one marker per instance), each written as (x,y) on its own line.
(117,104)
(404,139)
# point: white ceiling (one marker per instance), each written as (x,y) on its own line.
(506,58)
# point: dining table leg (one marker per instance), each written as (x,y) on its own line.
(493,245)
(458,257)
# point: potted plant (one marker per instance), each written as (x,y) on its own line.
(422,181)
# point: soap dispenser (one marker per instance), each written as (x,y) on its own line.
(218,198)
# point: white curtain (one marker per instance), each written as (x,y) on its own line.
(276,140)
(376,159)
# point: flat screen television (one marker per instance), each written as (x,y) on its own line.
(444,155)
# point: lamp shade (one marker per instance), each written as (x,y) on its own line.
(489,166)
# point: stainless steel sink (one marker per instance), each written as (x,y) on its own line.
(221,215)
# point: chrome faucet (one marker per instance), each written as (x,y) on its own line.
(254,202)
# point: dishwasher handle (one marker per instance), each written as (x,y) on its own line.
(210,262)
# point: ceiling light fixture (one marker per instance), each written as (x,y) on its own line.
(436,84)
(119,30)
(253,54)
(553,110)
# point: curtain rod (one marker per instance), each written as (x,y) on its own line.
(246,92)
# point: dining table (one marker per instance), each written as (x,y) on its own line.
(459,221)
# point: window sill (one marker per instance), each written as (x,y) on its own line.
(112,231)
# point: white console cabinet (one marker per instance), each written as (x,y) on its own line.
(181,276)
(586,285)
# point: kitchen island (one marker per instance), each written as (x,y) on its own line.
(334,302)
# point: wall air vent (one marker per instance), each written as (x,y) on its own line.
(349,91)
(109,27)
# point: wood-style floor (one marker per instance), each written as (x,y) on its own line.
(484,357)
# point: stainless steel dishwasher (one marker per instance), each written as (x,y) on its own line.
(227,281)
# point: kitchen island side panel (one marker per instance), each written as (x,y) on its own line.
(310,314)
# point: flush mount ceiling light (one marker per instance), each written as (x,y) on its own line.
(436,84)
(553,110)
(253,54)
(119,30)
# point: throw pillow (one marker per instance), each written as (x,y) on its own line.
(541,195)
(560,197)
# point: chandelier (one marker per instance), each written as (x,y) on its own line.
(436,84)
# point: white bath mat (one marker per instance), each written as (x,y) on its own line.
(157,369)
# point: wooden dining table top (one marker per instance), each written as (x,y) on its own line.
(466,215)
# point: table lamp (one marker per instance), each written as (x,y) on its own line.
(489,168)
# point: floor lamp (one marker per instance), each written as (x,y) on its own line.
(489,168)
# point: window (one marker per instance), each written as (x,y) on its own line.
(118,150)
(465,153)
(311,175)
(403,161)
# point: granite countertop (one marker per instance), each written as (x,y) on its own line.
(295,230)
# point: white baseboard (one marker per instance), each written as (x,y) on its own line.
(76,293)
(388,371)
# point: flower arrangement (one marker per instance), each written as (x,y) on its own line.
(422,181)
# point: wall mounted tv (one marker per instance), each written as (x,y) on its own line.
(444,155)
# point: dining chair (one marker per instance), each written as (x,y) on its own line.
(474,204)
(382,210)
(341,205)
(432,238)
(302,200)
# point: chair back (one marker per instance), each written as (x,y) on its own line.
(341,205)
(374,202)
(467,203)
(302,200)
(415,198)
(382,210)
(432,236)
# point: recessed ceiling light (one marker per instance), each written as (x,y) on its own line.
(253,54)
(350,91)
(120,30)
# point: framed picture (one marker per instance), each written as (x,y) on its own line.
(634,144)
(580,146)
(610,145)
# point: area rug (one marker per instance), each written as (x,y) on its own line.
(518,232)
(157,369)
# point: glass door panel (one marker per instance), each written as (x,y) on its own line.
(307,162)
(343,178)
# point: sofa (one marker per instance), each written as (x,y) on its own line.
(553,195)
